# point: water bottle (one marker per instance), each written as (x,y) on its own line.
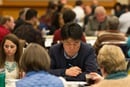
(2,78)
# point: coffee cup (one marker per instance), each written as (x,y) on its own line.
(89,79)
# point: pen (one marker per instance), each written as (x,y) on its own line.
(70,65)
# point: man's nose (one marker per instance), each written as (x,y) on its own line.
(72,46)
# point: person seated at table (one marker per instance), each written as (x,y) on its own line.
(9,56)
(27,30)
(35,62)
(72,58)
(113,67)
(110,35)
(97,22)
(67,16)
(21,18)
(6,26)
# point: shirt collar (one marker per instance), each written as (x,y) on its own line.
(67,57)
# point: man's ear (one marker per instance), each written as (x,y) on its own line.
(7,22)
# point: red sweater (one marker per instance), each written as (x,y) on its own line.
(3,32)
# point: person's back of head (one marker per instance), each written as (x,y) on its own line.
(4,19)
(35,58)
(95,2)
(113,23)
(88,10)
(125,8)
(22,13)
(30,14)
(78,3)
(112,59)
(62,1)
(71,30)
(68,16)
(52,5)
(117,6)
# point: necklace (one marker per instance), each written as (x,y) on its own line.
(10,66)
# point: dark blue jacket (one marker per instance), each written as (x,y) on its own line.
(86,60)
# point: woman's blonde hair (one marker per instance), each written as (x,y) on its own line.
(111,58)
(35,58)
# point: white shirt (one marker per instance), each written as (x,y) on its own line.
(13,74)
(79,15)
(124,22)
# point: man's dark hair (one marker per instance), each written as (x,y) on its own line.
(128,31)
(21,12)
(128,7)
(78,2)
(68,15)
(71,30)
(30,14)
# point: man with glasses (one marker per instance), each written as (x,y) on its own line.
(72,58)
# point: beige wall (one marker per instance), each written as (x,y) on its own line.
(12,7)
(123,1)
(1,2)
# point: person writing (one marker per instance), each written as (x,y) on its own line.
(72,58)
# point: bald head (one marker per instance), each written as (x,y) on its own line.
(100,10)
(100,13)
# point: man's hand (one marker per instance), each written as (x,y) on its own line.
(73,71)
(96,77)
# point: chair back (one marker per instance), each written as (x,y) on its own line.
(121,44)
